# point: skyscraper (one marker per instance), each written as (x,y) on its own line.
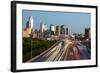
(62,29)
(43,27)
(87,32)
(57,31)
(66,31)
(29,28)
(31,21)
(52,29)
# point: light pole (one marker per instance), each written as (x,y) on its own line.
(31,26)
(31,36)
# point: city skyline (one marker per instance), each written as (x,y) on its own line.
(72,20)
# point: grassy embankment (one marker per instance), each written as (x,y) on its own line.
(37,45)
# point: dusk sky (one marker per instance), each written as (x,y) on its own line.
(75,21)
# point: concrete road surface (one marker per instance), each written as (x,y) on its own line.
(69,51)
(84,53)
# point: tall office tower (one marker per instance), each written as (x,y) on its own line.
(66,31)
(29,27)
(57,31)
(87,33)
(90,33)
(52,29)
(31,22)
(62,29)
(43,27)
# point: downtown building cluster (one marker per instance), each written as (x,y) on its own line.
(52,32)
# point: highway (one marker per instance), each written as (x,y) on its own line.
(52,55)
(63,51)
(84,53)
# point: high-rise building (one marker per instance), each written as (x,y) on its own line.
(87,32)
(43,27)
(52,29)
(43,30)
(66,31)
(57,31)
(62,29)
(31,22)
(29,27)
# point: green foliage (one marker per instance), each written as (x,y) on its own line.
(38,46)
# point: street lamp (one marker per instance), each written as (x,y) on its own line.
(31,36)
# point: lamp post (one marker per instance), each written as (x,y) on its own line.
(31,36)
(31,26)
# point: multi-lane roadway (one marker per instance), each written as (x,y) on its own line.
(63,50)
